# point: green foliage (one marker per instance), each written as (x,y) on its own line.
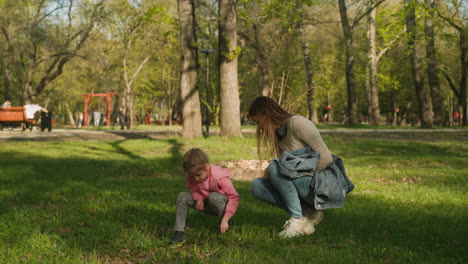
(269,27)
(232,54)
(390,24)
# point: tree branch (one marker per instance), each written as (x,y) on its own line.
(139,69)
(451,84)
(389,45)
(50,77)
(61,58)
(361,16)
(448,20)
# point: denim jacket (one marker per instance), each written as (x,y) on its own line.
(330,185)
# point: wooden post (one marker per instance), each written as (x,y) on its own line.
(85,114)
(108,107)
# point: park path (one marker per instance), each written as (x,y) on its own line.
(85,134)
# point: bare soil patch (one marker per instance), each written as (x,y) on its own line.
(245,170)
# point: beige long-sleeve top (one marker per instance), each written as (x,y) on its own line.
(300,132)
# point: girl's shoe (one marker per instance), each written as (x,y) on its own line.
(177,237)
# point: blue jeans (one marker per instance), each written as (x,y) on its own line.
(284,192)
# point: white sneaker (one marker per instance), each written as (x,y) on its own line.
(293,227)
(314,218)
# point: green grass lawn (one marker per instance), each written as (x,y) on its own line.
(114,202)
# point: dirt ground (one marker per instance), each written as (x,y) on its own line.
(82,134)
(245,170)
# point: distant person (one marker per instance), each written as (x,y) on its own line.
(80,119)
(122,118)
(211,191)
(6,104)
(305,178)
(102,120)
(456,116)
(32,109)
(96,118)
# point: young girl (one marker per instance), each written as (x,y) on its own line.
(281,133)
(211,192)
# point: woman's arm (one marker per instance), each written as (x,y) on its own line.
(308,133)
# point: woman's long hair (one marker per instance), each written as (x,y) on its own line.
(267,142)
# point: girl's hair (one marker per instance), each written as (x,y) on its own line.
(275,115)
(194,157)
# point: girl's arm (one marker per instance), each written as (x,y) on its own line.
(196,194)
(226,185)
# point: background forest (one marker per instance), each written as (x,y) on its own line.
(394,62)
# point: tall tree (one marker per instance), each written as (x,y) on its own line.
(263,59)
(348,29)
(228,79)
(129,80)
(374,55)
(432,72)
(141,18)
(256,31)
(191,124)
(457,20)
(41,44)
(373,90)
(350,83)
(309,74)
(297,18)
(424,105)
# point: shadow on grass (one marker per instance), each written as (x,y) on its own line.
(122,150)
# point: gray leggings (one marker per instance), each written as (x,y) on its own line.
(214,205)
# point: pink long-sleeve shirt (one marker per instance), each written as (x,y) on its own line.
(217,181)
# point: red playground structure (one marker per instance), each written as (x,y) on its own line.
(108,105)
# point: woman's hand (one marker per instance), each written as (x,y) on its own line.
(200,205)
(224,224)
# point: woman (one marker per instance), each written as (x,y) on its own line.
(278,132)
(6,104)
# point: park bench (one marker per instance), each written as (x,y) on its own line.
(17,115)
(14,116)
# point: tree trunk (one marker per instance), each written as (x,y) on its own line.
(191,115)
(373,90)
(424,106)
(462,93)
(6,84)
(348,40)
(464,73)
(432,73)
(228,80)
(127,107)
(263,60)
(70,116)
(28,97)
(309,74)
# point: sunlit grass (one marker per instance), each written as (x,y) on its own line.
(114,202)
